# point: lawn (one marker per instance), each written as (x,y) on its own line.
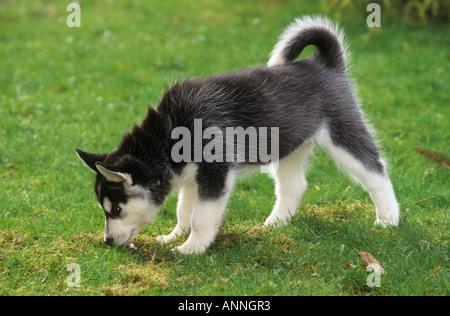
(63,88)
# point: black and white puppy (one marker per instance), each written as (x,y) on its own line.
(290,105)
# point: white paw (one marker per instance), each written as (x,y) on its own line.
(190,248)
(392,222)
(275,221)
(164,239)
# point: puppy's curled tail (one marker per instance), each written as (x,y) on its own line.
(321,32)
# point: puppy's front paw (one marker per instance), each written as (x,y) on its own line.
(274,221)
(392,222)
(190,248)
(164,239)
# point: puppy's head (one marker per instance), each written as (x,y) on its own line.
(127,193)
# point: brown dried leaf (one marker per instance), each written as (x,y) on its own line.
(372,262)
(349,265)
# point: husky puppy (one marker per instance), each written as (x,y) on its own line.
(310,102)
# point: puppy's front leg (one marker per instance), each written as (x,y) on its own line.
(184,213)
(206,219)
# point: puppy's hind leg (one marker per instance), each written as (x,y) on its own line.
(356,152)
(184,211)
(290,184)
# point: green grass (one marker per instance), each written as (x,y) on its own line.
(63,88)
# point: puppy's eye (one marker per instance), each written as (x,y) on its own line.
(116,210)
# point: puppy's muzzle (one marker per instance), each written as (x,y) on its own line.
(109,241)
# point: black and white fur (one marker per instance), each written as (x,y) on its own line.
(311,101)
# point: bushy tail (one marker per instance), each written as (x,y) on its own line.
(321,32)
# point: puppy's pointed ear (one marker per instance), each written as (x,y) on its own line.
(90,159)
(112,175)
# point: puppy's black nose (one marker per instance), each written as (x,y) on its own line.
(109,241)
